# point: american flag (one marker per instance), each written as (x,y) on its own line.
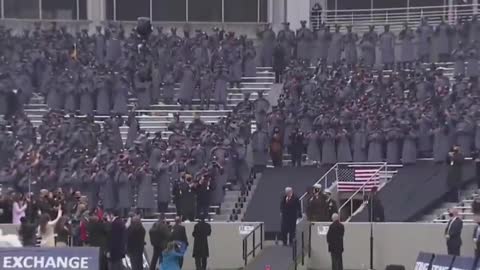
(352,179)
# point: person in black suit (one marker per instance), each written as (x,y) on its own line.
(454,176)
(179,233)
(97,237)
(201,232)
(116,243)
(453,233)
(290,210)
(159,237)
(136,243)
(336,230)
(375,208)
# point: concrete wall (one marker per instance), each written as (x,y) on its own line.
(394,243)
(225,244)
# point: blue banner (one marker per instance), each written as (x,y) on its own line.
(463,263)
(49,258)
(423,261)
(442,262)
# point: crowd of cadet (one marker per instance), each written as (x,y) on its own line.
(97,74)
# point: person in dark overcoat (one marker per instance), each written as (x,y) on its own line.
(159,237)
(97,237)
(116,243)
(279,63)
(335,234)
(455,161)
(135,243)
(290,210)
(453,233)
(201,231)
(178,233)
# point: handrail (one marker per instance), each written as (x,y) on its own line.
(325,175)
(397,8)
(305,248)
(245,252)
(362,188)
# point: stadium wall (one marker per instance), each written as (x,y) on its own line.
(225,243)
(394,243)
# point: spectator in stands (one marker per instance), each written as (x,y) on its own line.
(27,233)
(46,229)
(201,231)
(62,231)
(279,62)
(159,237)
(19,207)
(290,211)
(179,235)
(173,255)
(476,159)
(136,243)
(453,232)
(97,232)
(276,148)
(455,160)
(116,243)
(476,235)
(335,234)
(375,207)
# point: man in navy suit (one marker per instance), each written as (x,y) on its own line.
(290,210)
(116,246)
(453,233)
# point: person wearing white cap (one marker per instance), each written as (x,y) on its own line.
(290,210)
(317,205)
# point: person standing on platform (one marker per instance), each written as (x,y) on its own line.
(178,234)
(136,243)
(453,233)
(335,233)
(201,232)
(290,210)
(454,176)
(159,237)
(375,208)
(116,244)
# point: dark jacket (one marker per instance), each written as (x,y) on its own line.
(116,244)
(27,233)
(335,237)
(135,238)
(375,209)
(159,235)
(97,232)
(290,210)
(179,234)
(454,230)
(455,164)
(201,232)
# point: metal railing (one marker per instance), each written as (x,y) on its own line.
(245,253)
(361,191)
(302,247)
(397,16)
(332,176)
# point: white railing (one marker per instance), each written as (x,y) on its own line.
(361,192)
(332,175)
(398,16)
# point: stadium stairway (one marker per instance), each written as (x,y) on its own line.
(158,116)
(464,207)
(274,256)
(414,191)
(264,203)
